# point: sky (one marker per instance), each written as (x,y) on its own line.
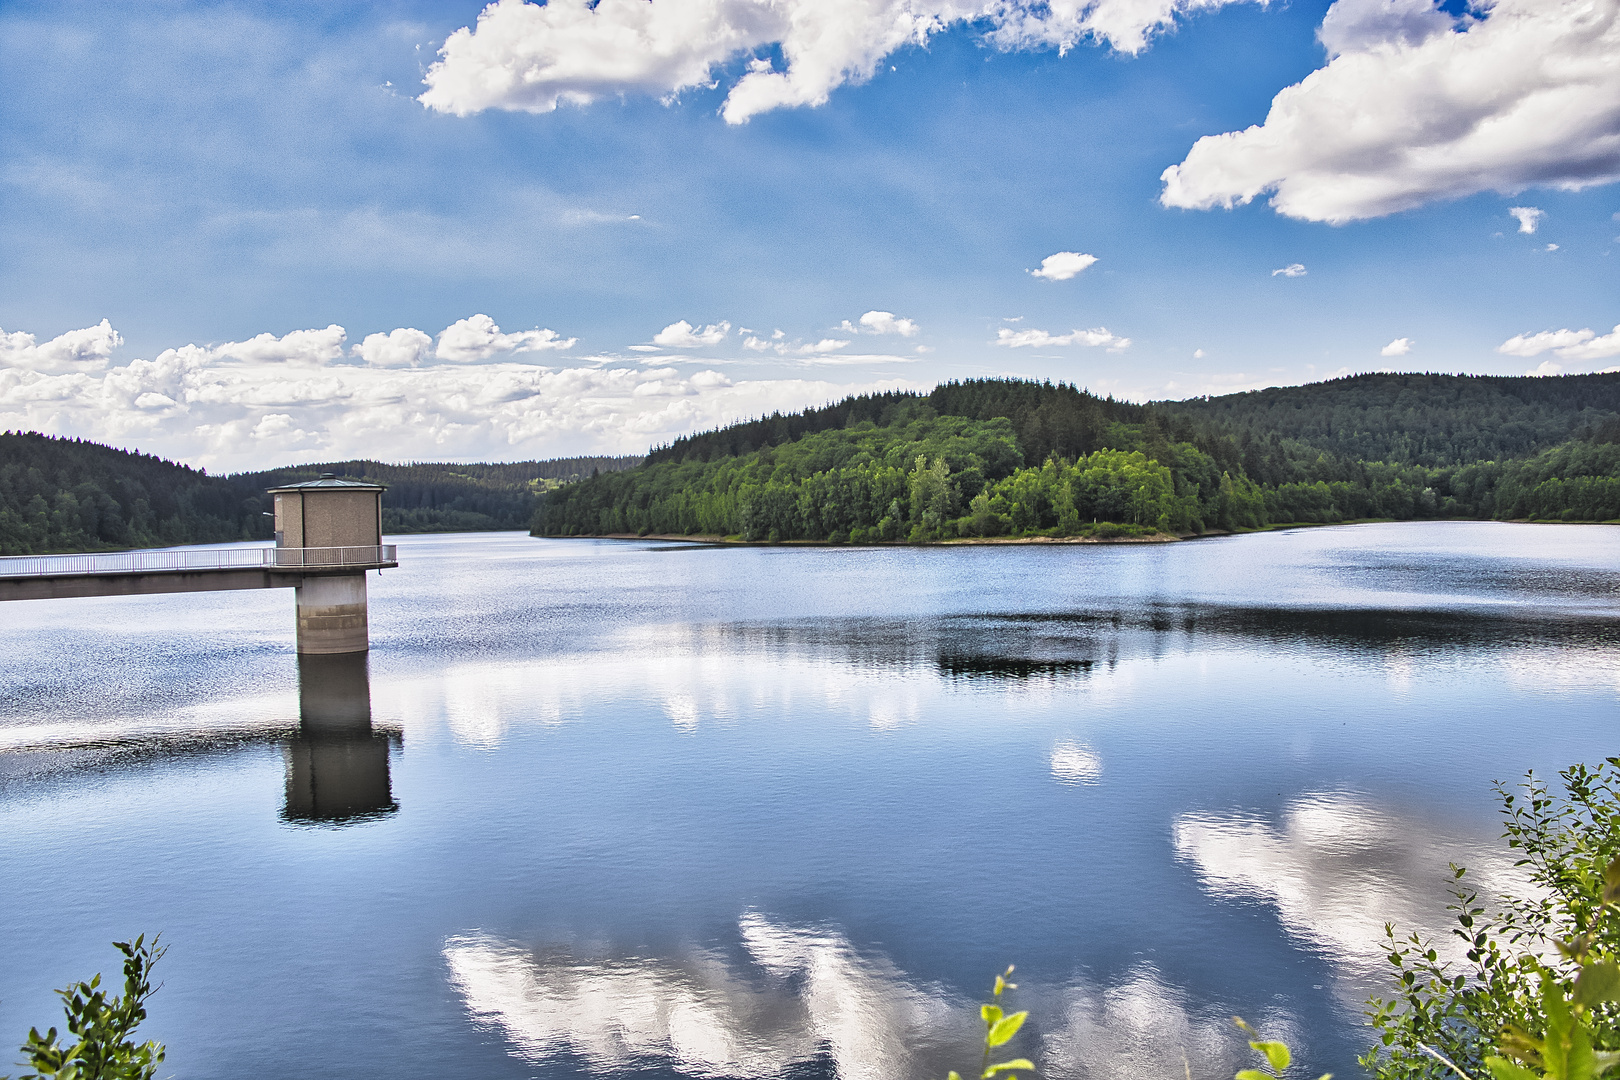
(247,235)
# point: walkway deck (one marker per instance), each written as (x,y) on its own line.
(124,573)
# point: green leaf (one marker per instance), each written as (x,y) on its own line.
(1003,1066)
(1276,1054)
(1503,1069)
(953,1075)
(1604,1060)
(990,1013)
(1005,1028)
(1598,983)
(1611,882)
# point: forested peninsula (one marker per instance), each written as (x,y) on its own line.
(72,495)
(1017,459)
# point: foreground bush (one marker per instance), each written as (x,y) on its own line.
(1540,977)
(101,1027)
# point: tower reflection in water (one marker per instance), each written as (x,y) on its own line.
(337,764)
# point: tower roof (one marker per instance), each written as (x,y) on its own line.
(330,482)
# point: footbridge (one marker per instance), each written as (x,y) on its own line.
(328,536)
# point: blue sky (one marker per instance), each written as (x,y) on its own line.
(247,193)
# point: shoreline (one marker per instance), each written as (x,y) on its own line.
(725,541)
(988,541)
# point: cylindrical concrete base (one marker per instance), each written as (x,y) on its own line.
(332,614)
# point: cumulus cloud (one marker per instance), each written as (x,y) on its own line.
(89,349)
(531,57)
(1415,105)
(1565,344)
(1023,339)
(404,347)
(683,335)
(1528,217)
(882,322)
(477,338)
(1291,270)
(1399,347)
(243,405)
(302,347)
(1063,266)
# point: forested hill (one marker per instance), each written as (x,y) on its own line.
(1047,418)
(72,495)
(1000,457)
(1416,419)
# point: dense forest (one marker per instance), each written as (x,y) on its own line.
(1001,457)
(979,458)
(72,495)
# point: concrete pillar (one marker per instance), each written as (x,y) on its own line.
(337,766)
(332,614)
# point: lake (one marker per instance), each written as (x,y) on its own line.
(784,812)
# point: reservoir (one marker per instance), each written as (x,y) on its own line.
(689,811)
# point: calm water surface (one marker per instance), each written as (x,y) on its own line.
(689,811)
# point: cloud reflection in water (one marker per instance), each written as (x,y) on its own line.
(810,993)
(1337,867)
(807,996)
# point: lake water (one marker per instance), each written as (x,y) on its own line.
(751,812)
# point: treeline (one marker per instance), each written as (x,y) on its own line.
(451,497)
(73,495)
(1000,457)
(1415,419)
(923,477)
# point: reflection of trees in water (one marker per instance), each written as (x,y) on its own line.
(1071,644)
(803,1001)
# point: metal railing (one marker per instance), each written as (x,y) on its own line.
(178,559)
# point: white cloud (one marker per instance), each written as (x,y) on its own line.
(1417,107)
(306,348)
(881,322)
(529,57)
(404,347)
(1528,217)
(1399,347)
(1291,270)
(1566,344)
(478,338)
(1552,247)
(683,335)
(1198,354)
(1063,266)
(1021,339)
(89,349)
(235,408)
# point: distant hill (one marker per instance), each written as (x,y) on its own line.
(450,497)
(73,495)
(1431,420)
